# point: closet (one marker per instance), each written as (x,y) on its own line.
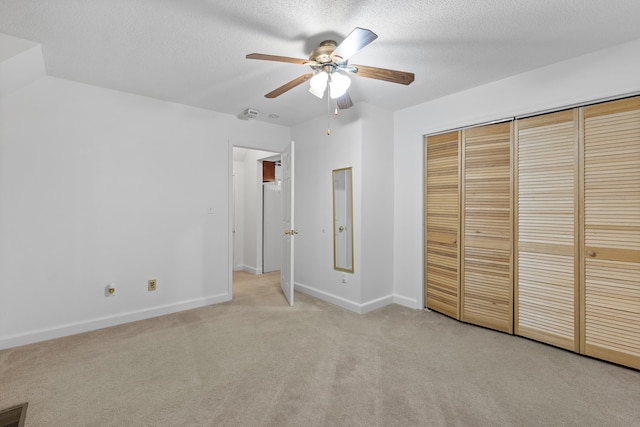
(548,228)
(468,225)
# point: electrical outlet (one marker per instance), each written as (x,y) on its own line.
(151,285)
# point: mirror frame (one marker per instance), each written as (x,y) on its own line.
(349,205)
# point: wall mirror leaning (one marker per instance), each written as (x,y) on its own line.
(343,220)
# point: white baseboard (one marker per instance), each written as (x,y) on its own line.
(407,302)
(251,270)
(105,322)
(330,298)
(377,303)
(343,302)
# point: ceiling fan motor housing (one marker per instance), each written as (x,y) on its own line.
(322,54)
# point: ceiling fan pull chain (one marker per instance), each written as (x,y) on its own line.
(328,115)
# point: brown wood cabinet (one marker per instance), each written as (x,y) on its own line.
(268,171)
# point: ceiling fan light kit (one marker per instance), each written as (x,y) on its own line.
(318,84)
(329,63)
(338,85)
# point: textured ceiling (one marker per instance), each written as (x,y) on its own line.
(193,52)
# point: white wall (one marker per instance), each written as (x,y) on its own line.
(600,75)
(377,206)
(21,63)
(98,186)
(317,154)
(361,138)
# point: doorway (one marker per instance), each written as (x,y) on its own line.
(256,212)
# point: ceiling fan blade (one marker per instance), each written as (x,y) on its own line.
(344,101)
(392,76)
(356,40)
(279,58)
(287,86)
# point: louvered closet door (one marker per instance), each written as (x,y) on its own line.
(442,221)
(487,285)
(546,265)
(611,254)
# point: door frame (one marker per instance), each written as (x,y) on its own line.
(230,201)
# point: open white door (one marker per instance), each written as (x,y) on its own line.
(286,272)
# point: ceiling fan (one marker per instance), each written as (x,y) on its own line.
(330,65)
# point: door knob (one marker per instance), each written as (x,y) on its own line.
(287,232)
(341,228)
(591,253)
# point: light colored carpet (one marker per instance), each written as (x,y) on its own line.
(256,362)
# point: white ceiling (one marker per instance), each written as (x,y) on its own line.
(193,52)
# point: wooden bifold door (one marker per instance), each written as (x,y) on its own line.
(486,276)
(610,262)
(442,223)
(532,227)
(468,225)
(546,266)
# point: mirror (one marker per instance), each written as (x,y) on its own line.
(342,220)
